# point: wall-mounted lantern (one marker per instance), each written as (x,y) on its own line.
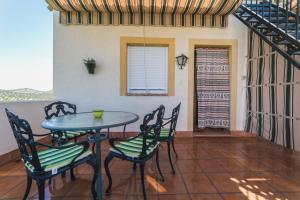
(90,65)
(181,60)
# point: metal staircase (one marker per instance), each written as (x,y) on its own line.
(277,22)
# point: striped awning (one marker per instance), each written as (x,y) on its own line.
(206,13)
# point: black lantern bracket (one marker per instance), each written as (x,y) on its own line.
(181,61)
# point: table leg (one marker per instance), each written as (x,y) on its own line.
(124,131)
(98,159)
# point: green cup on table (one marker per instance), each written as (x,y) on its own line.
(98,113)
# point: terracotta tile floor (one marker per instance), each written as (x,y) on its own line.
(206,169)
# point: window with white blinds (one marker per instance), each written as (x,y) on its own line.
(147,70)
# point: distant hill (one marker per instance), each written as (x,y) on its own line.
(24,94)
(27,90)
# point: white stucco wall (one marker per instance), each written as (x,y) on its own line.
(72,82)
(32,111)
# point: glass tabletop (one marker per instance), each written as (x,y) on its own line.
(86,121)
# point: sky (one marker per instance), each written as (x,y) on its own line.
(26,45)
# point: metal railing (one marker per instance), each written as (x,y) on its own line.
(284,14)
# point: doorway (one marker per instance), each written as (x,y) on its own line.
(211,90)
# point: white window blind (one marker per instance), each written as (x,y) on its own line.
(147,70)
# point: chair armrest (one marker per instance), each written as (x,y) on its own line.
(117,140)
(26,158)
(42,135)
(166,123)
(113,140)
(85,145)
(112,144)
(123,139)
(90,132)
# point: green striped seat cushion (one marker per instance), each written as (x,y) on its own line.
(164,133)
(133,148)
(71,134)
(56,158)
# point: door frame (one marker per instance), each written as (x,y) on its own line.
(232,45)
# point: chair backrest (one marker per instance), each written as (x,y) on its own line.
(25,140)
(174,118)
(155,116)
(59,108)
(152,130)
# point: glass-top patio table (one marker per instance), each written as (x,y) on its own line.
(86,122)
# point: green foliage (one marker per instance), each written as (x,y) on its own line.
(24,94)
(89,61)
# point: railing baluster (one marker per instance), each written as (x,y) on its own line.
(270,4)
(297,18)
(263,8)
(277,20)
(286,15)
(277,17)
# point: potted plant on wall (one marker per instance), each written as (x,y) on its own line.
(90,65)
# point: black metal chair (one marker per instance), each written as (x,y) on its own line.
(41,165)
(62,108)
(140,148)
(168,134)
